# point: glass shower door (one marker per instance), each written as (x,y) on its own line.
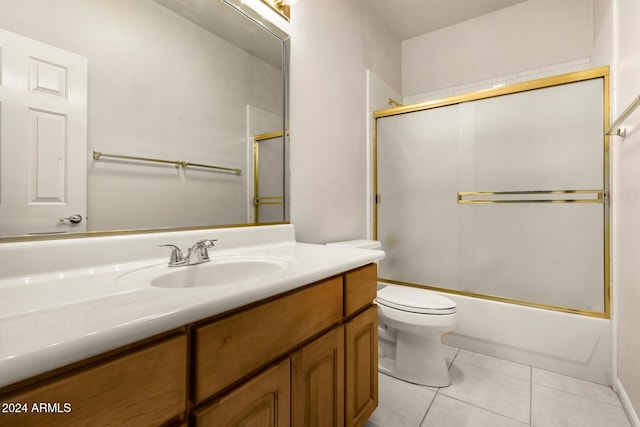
(501,197)
(268,161)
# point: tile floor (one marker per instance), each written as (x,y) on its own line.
(491,392)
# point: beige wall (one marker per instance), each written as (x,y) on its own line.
(626,231)
(333,44)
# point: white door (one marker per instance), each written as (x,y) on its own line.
(43,137)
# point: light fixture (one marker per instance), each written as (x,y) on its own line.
(283,7)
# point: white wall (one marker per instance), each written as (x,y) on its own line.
(531,34)
(626,196)
(161,87)
(379,93)
(333,44)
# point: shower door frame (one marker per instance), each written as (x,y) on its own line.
(601,196)
(259,200)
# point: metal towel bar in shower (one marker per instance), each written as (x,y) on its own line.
(537,196)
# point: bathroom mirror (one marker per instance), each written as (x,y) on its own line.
(137,115)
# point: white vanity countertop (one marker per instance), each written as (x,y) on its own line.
(51,319)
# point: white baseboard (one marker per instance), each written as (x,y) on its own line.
(626,404)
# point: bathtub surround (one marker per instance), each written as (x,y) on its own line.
(578,346)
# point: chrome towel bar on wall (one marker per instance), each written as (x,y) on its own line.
(615,128)
(177,163)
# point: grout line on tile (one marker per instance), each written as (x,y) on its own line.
(578,395)
(485,409)
(429,407)
(530,396)
(437,389)
(504,374)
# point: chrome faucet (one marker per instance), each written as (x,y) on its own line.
(199,250)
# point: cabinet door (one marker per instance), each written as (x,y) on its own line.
(317,383)
(361,378)
(145,387)
(263,401)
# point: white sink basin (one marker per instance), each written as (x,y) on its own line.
(221,270)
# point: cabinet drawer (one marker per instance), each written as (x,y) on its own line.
(263,401)
(146,387)
(233,347)
(360,288)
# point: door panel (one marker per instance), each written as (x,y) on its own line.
(43,137)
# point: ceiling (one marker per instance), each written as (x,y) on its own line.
(410,18)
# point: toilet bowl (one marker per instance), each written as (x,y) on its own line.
(411,322)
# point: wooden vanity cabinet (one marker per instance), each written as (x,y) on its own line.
(305,358)
(333,378)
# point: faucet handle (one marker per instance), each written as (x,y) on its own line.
(176,254)
(203,245)
(206,243)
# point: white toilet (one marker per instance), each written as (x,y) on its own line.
(411,322)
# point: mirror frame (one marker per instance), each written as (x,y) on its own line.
(278,33)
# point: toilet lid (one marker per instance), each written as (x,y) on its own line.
(415,300)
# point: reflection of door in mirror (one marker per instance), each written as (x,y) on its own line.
(43,139)
(266,153)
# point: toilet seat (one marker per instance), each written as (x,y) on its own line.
(415,300)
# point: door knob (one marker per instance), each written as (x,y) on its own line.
(73,219)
